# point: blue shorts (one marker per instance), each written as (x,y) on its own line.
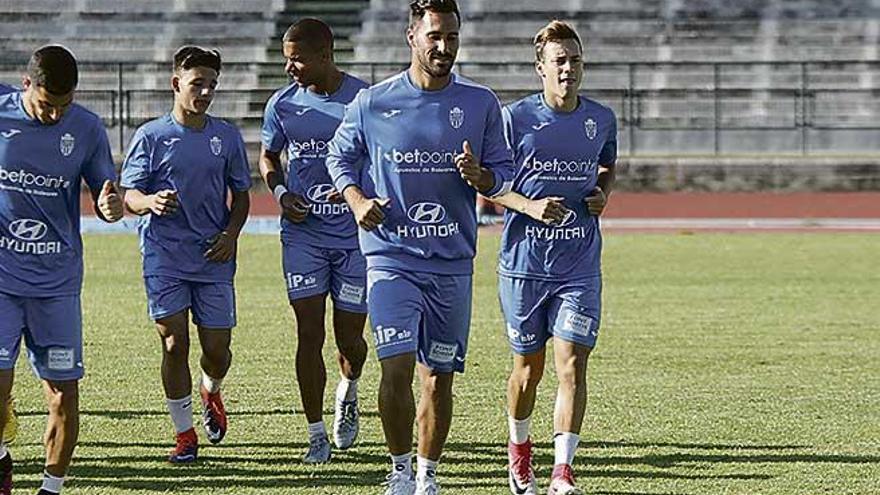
(535,310)
(310,271)
(52,330)
(421,313)
(212,303)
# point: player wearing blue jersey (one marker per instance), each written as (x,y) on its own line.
(318,233)
(565,147)
(48,145)
(429,140)
(179,170)
(10,428)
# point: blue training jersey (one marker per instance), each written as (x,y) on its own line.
(557,154)
(41,171)
(304,122)
(410,138)
(202,165)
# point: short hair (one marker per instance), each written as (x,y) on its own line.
(556,30)
(54,68)
(312,31)
(189,56)
(418,8)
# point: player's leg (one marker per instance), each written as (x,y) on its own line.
(395,307)
(54,343)
(574,311)
(62,430)
(168,303)
(12,323)
(307,273)
(213,309)
(442,351)
(348,290)
(523,304)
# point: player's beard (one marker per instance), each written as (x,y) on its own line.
(438,71)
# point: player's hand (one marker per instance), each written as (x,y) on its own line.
(368,212)
(335,196)
(294,207)
(470,170)
(164,202)
(596,201)
(110,202)
(550,210)
(222,248)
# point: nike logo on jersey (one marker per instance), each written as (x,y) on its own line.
(171,141)
(540,126)
(303,111)
(11,132)
(391,113)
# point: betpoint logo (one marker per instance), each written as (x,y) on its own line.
(426,213)
(27,229)
(320,193)
(309,149)
(23,178)
(561,167)
(418,156)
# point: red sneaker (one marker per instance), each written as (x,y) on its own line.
(520,474)
(187,448)
(213,415)
(562,481)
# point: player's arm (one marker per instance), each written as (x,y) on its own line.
(162,203)
(293,207)
(368,212)
(492,174)
(225,245)
(598,198)
(108,202)
(549,210)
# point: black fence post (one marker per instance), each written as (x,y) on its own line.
(121,113)
(716,69)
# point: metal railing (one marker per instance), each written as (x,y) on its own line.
(799,101)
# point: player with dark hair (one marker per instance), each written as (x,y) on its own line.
(409,157)
(177,174)
(48,145)
(318,233)
(565,147)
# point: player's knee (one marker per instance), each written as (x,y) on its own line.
(526,377)
(176,346)
(62,398)
(438,386)
(571,375)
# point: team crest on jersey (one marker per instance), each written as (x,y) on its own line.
(216,145)
(591,128)
(67,144)
(456,117)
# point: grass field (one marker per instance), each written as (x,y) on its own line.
(727,364)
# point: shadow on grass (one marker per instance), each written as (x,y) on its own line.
(124,415)
(278,465)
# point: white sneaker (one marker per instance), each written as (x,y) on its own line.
(345,423)
(427,486)
(399,483)
(319,451)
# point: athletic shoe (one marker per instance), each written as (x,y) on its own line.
(427,485)
(345,423)
(520,474)
(6,475)
(45,492)
(10,429)
(399,483)
(562,481)
(319,450)
(187,448)
(213,415)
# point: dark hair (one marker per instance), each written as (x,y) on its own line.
(418,8)
(314,32)
(53,67)
(189,56)
(556,30)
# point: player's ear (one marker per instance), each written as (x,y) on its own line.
(175,83)
(410,36)
(539,68)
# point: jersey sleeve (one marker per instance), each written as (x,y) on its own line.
(238,171)
(99,166)
(272,132)
(497,156)
(137,167)
(608,155)
(347,150)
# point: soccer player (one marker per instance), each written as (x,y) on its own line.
(10,428)
(565,147)
(433,140)
(178,173)
(318,233)
(48,145)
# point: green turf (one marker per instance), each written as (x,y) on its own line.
(728,364)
